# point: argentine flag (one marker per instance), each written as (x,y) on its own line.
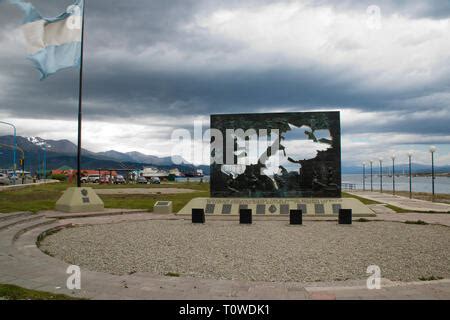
(52,43)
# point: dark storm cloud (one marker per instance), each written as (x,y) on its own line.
(108,94)
(124,89)
(431,9)
(406,123)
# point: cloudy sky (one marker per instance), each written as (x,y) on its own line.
(154,66)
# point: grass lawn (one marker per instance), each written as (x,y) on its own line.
(44,197)
(368,202)
(11,292)
(363,200)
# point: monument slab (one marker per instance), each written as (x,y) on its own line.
(82,199)
(277,206)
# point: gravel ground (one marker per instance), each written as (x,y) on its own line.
(264,251)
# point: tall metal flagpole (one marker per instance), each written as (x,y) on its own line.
(80,98)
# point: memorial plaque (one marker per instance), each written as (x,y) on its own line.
(303,207)
(260,209)
(162,207)
(276,155)
(319,209)
(210,208)
(84,196)
(226,209)
(284,209)
(336,208)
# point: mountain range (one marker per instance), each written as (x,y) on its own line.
(63,153)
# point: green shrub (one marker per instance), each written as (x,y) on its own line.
(172,274)
(420,222)
(430,278)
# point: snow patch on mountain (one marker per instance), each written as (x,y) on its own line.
(39,142)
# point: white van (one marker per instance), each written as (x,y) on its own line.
(93,178)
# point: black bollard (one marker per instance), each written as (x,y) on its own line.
(345,216)
(295,217)
(245,216)
(198,216)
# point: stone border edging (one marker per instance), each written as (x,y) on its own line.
(139,286)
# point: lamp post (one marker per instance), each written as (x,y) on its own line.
(38,164)
(432,151)
(364,176)
(393,174)
(22,160)
(410,177)
(45,162)
(371,179)
(381,174)
(15,146)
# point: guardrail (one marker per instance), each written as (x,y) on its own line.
(348,186)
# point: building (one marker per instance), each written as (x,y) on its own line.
(154,173)
(175,172)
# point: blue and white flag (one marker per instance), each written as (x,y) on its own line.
(52,43)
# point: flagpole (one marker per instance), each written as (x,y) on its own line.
(80,98)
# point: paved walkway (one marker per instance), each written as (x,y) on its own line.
(20,185)
(403,202)
(23,264)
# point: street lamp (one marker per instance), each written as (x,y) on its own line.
(393,173)
(381,174)
(15,145)
(432,151)
(371,180)
(364,176)
(38,164)
(410,177)
(45,162)
(22,160)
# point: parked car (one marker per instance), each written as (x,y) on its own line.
(4,179)
(93,178)
(105,179)
(155,180)
(84,179)
(119,180)
(141,180)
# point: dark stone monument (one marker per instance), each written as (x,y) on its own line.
(272,163)
(245,216)
(345,216)
(276,155)
(295,217)
(198,216)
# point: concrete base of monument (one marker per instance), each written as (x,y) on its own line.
(79,200)
(316,207)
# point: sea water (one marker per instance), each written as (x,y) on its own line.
(419,184)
